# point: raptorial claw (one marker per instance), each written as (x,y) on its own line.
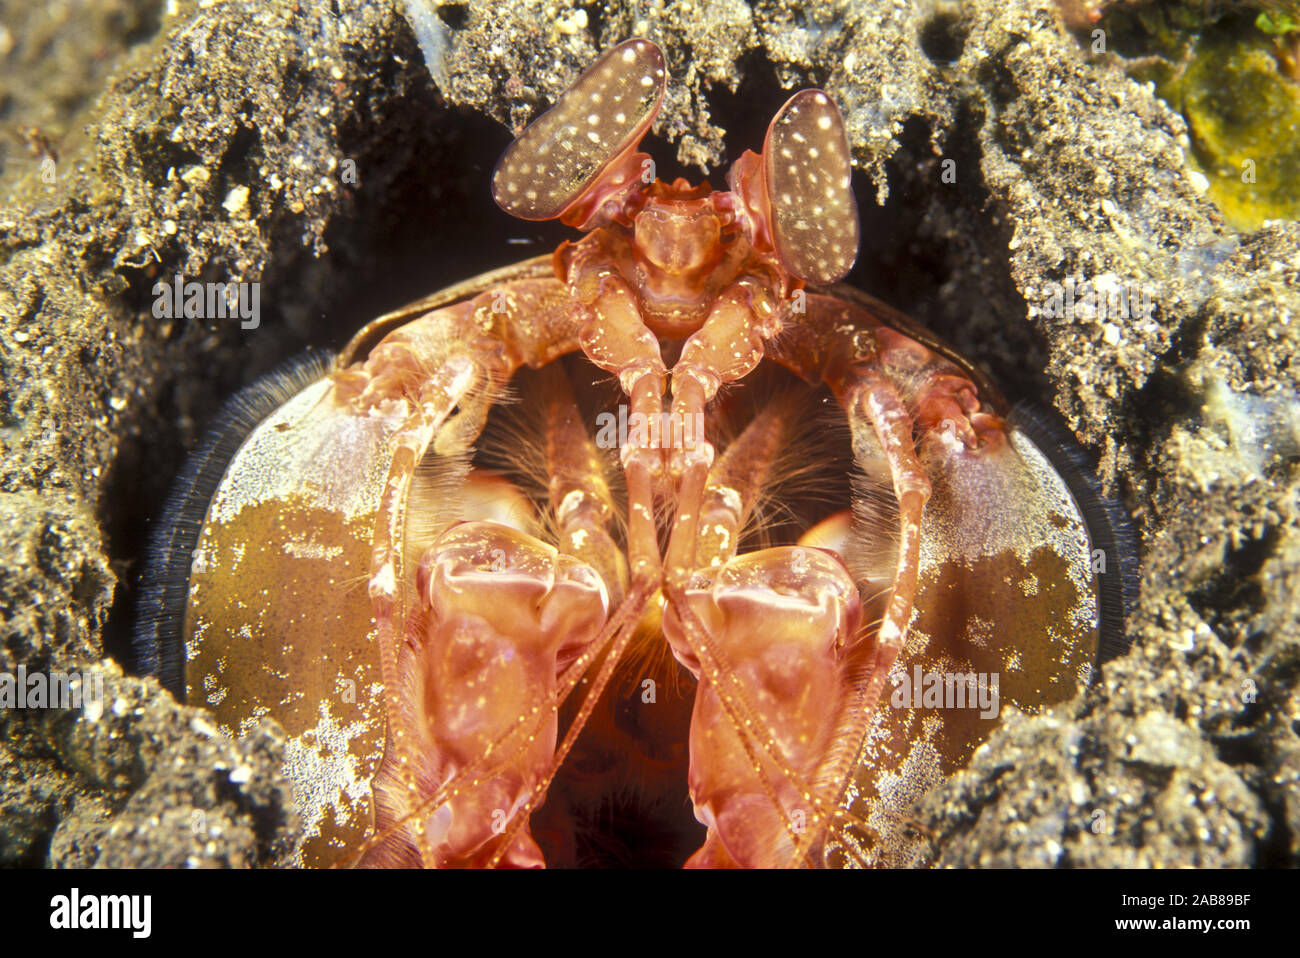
(502,613)
(785,620)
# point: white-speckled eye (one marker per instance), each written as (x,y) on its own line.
(814,214)
(562,153)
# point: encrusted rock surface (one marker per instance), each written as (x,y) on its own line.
(308,147)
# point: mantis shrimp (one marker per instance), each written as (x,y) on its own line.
(671,512)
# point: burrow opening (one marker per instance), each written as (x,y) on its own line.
(423,218)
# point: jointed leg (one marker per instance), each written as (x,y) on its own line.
(726,348)
(498,610)
(878,379)
(876,412)
(615,338)
(891,388)
(579,494)
(480,812)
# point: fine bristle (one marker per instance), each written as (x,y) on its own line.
(435,501)
(513,444)
(872,552)
(806,480)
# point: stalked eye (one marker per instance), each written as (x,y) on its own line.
(564,151)
(807,166)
